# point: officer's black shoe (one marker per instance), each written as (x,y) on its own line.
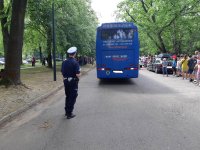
(71,116)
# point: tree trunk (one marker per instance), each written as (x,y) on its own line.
(41,57)
(154,41)
(174,38)
(162,45)
(15,44)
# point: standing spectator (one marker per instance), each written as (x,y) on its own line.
(2,72)
(164,66)
(195,69)
(198,69)
(174,56)
(33,61)
(44,61)
(92,61)
(174,64)
(178,67)
(184,66)
(191,64)
(196,53)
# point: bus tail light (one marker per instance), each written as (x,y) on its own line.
(102,69)
(131,68)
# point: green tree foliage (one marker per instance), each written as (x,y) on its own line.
(76,25)
(164,25)
(12,32)
(5,16)
(1,46)
(39,19)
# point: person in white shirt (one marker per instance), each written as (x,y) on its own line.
(178,66)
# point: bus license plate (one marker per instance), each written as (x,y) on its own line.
(117,71)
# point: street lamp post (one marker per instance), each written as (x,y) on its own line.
(54,41)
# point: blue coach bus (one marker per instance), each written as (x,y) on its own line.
(117,50)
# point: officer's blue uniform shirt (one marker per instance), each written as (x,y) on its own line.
(70,68)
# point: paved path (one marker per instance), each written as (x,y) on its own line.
(149,113)
(38,85)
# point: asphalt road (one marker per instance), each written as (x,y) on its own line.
(149,113)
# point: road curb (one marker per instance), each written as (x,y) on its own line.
(34,102)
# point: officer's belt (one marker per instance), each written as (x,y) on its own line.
(69,79)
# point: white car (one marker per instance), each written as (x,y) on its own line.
(24,61)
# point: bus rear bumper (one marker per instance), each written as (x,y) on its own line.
(117,74)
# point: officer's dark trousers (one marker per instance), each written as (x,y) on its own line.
(71,92)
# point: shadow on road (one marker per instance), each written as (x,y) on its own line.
(141,85)
(116,82)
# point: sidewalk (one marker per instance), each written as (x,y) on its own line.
(36,86)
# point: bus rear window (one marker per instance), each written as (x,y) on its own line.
(117,34)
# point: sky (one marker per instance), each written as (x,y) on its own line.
(105,9)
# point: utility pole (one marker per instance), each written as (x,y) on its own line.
(54,41)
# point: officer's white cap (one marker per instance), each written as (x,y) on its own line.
(72,50)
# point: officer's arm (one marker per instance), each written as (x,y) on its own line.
(78,71)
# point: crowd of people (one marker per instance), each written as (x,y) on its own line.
(188,67)
(83,60)
(185,66)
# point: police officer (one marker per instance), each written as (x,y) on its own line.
(71,73)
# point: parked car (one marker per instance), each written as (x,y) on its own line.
(156,65)
(2,61)
(24,61)
(164,55)
(29,60)
(150,64)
